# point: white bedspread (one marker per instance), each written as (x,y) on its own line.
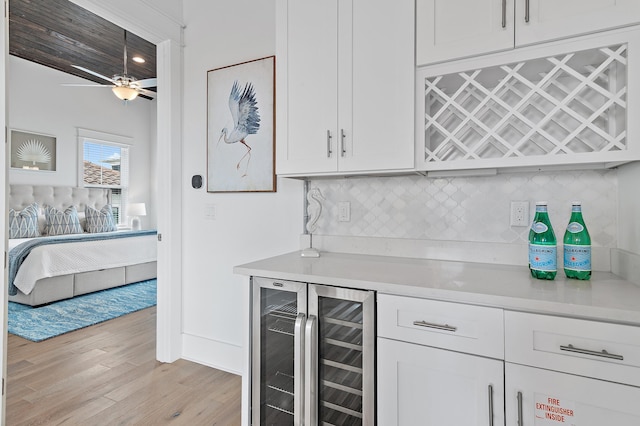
(82,256)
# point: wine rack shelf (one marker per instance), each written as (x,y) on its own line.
(562,108)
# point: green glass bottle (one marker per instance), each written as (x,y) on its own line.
(577,246)
(543,250)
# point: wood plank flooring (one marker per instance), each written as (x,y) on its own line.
(107,374)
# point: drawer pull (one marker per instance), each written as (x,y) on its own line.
(445,327)
(603,354)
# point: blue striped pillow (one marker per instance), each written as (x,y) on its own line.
(100,220)
(62,223)
(24,223)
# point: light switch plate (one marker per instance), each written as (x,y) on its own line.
(210,212)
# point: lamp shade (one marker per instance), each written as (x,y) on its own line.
(137,209)
(125,93)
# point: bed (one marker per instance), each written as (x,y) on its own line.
(45,269)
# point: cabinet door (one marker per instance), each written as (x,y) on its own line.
(376,85)
(450,29)
(420,385)
(307,86)
(552,19)
(543,397)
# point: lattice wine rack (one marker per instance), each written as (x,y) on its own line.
(560,105)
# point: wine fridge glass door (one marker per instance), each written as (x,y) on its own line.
(279,315)
(345,356)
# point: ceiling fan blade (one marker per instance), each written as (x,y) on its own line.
(147,93)
(110,80)
(147,82)
(84,85)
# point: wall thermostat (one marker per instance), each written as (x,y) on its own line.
(196,181)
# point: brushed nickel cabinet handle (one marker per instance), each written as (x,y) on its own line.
(519,398)
(329,151)
(342,146)
(526,11)
(504,13)
(602,354)
(445,327)
(490,405)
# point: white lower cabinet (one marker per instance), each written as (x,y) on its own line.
(439,363)
(444,363)
(539,397)
(420,385)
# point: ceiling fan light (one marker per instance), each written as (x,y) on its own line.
(125,93)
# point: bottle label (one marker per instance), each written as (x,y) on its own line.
(577,258)
(575,227)
(543,258)
(539,227)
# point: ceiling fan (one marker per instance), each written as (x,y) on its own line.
(123,85)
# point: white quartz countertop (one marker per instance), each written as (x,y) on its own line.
(605,297)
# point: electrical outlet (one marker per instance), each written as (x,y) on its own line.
(519,213)
(344,211)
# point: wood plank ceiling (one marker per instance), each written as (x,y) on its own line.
(58,34)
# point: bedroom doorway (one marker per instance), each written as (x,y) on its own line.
(166,34)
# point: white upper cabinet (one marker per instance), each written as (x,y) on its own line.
(307,81)
(452,29)
(345,80)
(542,20)
(448,29)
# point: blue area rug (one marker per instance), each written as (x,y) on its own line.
(41,323)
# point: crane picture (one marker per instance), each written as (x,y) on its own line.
(246,119)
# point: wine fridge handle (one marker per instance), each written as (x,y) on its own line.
(311,372)
(298,369)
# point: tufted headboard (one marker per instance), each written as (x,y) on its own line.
(60,197)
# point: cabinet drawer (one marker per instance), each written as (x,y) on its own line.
(464,328)
(588,348)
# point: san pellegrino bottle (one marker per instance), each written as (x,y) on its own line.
(543,249)
(577,246)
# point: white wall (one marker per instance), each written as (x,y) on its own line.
(629,208)
(248,226)
(37,102)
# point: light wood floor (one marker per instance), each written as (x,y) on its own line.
(107,375)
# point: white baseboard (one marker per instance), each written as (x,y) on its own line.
(212,353)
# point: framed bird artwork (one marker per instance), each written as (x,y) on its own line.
(241,127)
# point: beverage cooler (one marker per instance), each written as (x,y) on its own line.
(313,354)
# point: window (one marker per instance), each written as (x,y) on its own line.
(105,164)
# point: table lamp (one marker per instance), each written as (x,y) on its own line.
(135,211)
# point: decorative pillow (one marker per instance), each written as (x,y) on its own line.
(100,220)
(24,223)
(61,223)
